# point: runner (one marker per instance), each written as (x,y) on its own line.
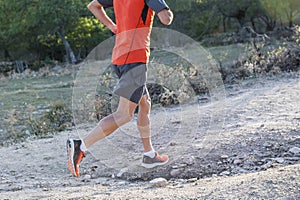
(134,19)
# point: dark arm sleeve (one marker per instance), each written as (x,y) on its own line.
(157,5)
(106,3)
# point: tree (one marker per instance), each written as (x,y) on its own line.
(285,11)
(58,17)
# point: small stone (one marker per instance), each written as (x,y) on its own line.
(57,68)
(179,166)
(121,183)
(295,150)
(225,173)
(175,172)
(243,144)
(159,182)
(237,162)
(267,145)
(279,160)
(224,157)
(27,132)
(173,144)
(87,176)
(267,165)
(122,171)
(192,180)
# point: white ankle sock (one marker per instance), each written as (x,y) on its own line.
(83,147)
(150,153)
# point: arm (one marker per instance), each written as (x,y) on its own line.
(165,16)
(98,11)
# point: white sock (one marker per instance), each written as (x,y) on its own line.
(83,147)
(150,153)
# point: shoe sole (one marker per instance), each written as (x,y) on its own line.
(153,165)
(70,151)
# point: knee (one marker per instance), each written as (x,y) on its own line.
(145,104)
(123,117)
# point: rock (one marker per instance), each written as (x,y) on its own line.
(27,132)
(237,162)
(225,173)
(57,68)
(243,144)
(192,180)
(87,176)
(121,183)
(295,150)
(179,166)
(159,182)
(224,157)
(267,165)
(279,160)
(175,172)
(122,171)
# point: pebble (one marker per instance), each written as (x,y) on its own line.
(121,183)
(179,166)
(192,180)
(159,182)
(295,150)
(243,144)
(279,160)
(237,162)
(27,132)
(267,165)
(175,172)
(87,176)
(122,171)
(225,173)
(224,157)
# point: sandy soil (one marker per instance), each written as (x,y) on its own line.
(242,147)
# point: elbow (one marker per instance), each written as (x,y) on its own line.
(166,18)
(167,21)
(93,5)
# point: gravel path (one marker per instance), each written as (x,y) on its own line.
(255,154)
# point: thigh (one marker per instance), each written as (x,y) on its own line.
(126,107)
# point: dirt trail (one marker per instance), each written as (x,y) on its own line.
(253,155)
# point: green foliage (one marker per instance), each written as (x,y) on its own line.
(285,11)
(43,28)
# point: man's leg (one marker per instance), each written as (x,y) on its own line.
(112,122)
(143,122)
(76,148)
(151,158)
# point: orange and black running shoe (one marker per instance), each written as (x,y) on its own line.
(75,156)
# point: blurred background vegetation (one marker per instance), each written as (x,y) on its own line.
(42,41)
(65,31)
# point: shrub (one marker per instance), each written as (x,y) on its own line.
(58,118)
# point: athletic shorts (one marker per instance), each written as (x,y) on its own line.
(132,81)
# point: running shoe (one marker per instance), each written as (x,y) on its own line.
(158,160)
(75,155)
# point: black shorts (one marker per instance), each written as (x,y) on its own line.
(132,81)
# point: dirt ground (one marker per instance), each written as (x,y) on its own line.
(245,146)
